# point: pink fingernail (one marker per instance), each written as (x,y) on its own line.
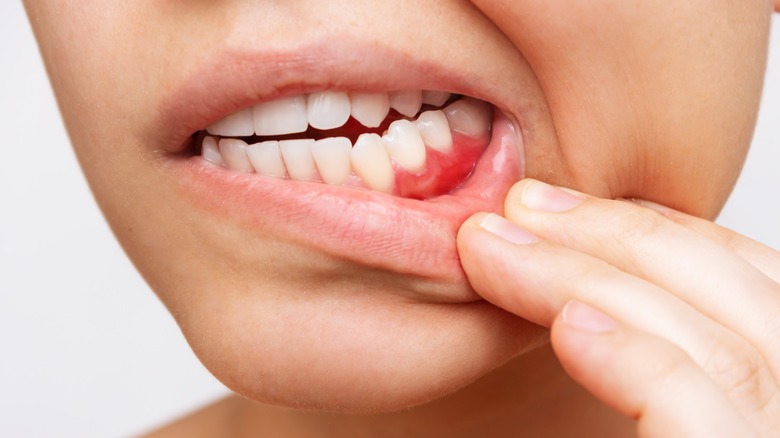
(586,318)
(506,230)
(544,197)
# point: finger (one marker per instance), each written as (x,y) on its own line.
(643,377)
(762,257)
(534,279)
(699,271)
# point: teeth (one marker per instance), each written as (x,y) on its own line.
(210,151)
(332,158)
(435,98)
(328,109)
(435,130)
(407,103)
(298,159)
(371,159)
(370,109)
(372,164)
(233,151)
(405,145)
(469,116)
(238,124)
(267,159)
(281,116)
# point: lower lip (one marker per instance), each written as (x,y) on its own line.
(371,229)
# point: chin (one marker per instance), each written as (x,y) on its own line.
(350,351)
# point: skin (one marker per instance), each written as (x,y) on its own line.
(622,101)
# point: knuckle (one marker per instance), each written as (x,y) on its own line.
(741,371)
(632,227)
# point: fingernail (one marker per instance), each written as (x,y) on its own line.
(586,318)
(506,230)
(543,197)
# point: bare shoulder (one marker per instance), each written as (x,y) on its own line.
(207,422)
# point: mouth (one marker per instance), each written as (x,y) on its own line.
(372,170)
(426,147)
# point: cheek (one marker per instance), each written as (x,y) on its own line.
(655,100)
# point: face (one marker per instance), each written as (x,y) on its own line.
(324,274)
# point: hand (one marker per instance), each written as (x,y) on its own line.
(670,319)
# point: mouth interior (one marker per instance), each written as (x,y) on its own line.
(412,144)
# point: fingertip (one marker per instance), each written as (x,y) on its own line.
(534,195)
(578,338)
(514,198)
(586,318)
(468,229)
(474,221)
(498,227)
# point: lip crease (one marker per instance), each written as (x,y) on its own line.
(372,229)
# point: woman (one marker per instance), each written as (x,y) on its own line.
(325,298)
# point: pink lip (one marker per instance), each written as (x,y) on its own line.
(371,229)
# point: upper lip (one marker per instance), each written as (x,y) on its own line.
(413,238)
(233,79)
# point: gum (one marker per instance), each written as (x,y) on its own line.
(444,172)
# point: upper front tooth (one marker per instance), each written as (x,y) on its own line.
(405,145)
(435,130)
(267,159)
(435,98)
(469,116)
(298,159)
(328,109)
(407,103)
(370,109)
(238,124)
(281,116)
(332,158)
(233,151)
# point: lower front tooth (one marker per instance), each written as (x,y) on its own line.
(332,158)
(372,164)
(298,159)
(233,152)
(267,159)
(210,151)
(435,130)
(405,145)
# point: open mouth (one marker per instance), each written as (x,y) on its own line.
(303,149)
(412,144)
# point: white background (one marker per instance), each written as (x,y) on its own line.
(85,348)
